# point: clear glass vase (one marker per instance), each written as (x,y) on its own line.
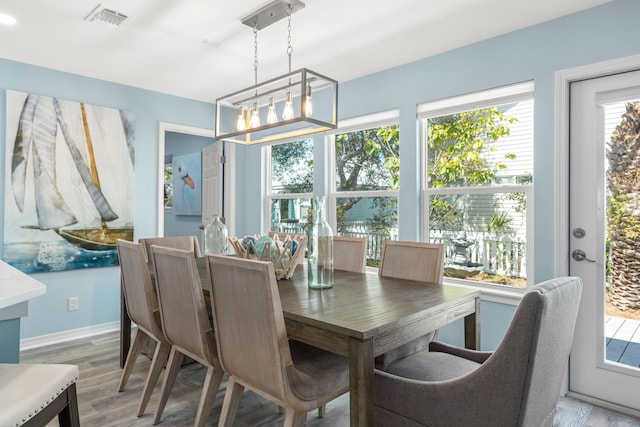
(216,241)
(320,248)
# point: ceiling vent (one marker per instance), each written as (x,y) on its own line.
(110,16)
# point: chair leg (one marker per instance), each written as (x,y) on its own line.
(294,419)
(173,366)
(160,356)
(69,417)
(134,351)
(230,404)
(209,390)
(321,411)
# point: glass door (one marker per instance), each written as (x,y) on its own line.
(605,236)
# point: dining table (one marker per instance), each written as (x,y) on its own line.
(362,316)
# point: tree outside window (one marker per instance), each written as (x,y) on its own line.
(478,174)
(367,179)
(291,186)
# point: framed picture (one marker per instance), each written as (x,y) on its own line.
(187,184)
(69,182)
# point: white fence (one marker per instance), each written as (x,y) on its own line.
(497,253)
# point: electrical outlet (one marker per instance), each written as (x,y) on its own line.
(72,304)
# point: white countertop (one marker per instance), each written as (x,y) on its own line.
(17,287)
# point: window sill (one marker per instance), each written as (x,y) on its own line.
(488,292)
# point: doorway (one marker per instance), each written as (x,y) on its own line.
(216,180)
(605,358)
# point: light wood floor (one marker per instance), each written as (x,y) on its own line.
(101,405)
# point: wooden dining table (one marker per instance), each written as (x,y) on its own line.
(362,316)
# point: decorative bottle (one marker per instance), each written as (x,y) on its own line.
(320,248)
(215,237)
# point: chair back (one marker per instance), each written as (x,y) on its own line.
(530,362)
(349,253)
(412,260)
(186,243)
(139,295)
(253,345)
(183,311)
(548,314)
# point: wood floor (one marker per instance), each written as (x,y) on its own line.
(101,405)
(623,340)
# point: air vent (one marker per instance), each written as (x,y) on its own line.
(110,16)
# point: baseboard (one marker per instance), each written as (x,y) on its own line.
(604,404)
(73,334)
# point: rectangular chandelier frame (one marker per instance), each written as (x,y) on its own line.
(314,108)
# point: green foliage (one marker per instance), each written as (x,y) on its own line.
(292,164)
(168,185)
(500,223)
(458,144)
(368,159)
(458,148)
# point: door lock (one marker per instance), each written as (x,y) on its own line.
(580,255)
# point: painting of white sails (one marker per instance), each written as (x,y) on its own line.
(69,179)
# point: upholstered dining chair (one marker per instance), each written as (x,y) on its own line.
(186,243)
(143,309)
(254,349)
(186,325)
(410,260)
(33,395)
(349,253)
(518,384)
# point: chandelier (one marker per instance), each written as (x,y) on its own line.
(295,104)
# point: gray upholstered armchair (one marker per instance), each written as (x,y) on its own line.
(517,385)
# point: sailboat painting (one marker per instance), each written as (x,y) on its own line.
(69,183)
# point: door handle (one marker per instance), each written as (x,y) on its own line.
(580,255)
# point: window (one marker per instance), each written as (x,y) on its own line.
(290,186)
(168,185)
(478,183)
(366,166)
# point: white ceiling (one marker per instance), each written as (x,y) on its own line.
(199,49)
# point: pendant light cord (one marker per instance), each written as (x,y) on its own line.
(289,47)
(255,53)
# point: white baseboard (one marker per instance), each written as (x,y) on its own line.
(73,334)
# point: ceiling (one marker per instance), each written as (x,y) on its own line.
(199,49)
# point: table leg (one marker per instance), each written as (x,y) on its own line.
(361,375)
(472,328)
(125,328)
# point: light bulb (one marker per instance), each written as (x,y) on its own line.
(272,116)
(255,117)
(241,124)
(308,105)
(287,114)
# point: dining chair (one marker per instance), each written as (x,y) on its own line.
(143,309)
(186,325)
(410,260)
(518,384)
(31,395)
(186,243)
(254,349)
(350,253)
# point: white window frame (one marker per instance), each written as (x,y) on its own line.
(369,121)
(469,102)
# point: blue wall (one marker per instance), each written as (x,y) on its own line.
(536,53)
